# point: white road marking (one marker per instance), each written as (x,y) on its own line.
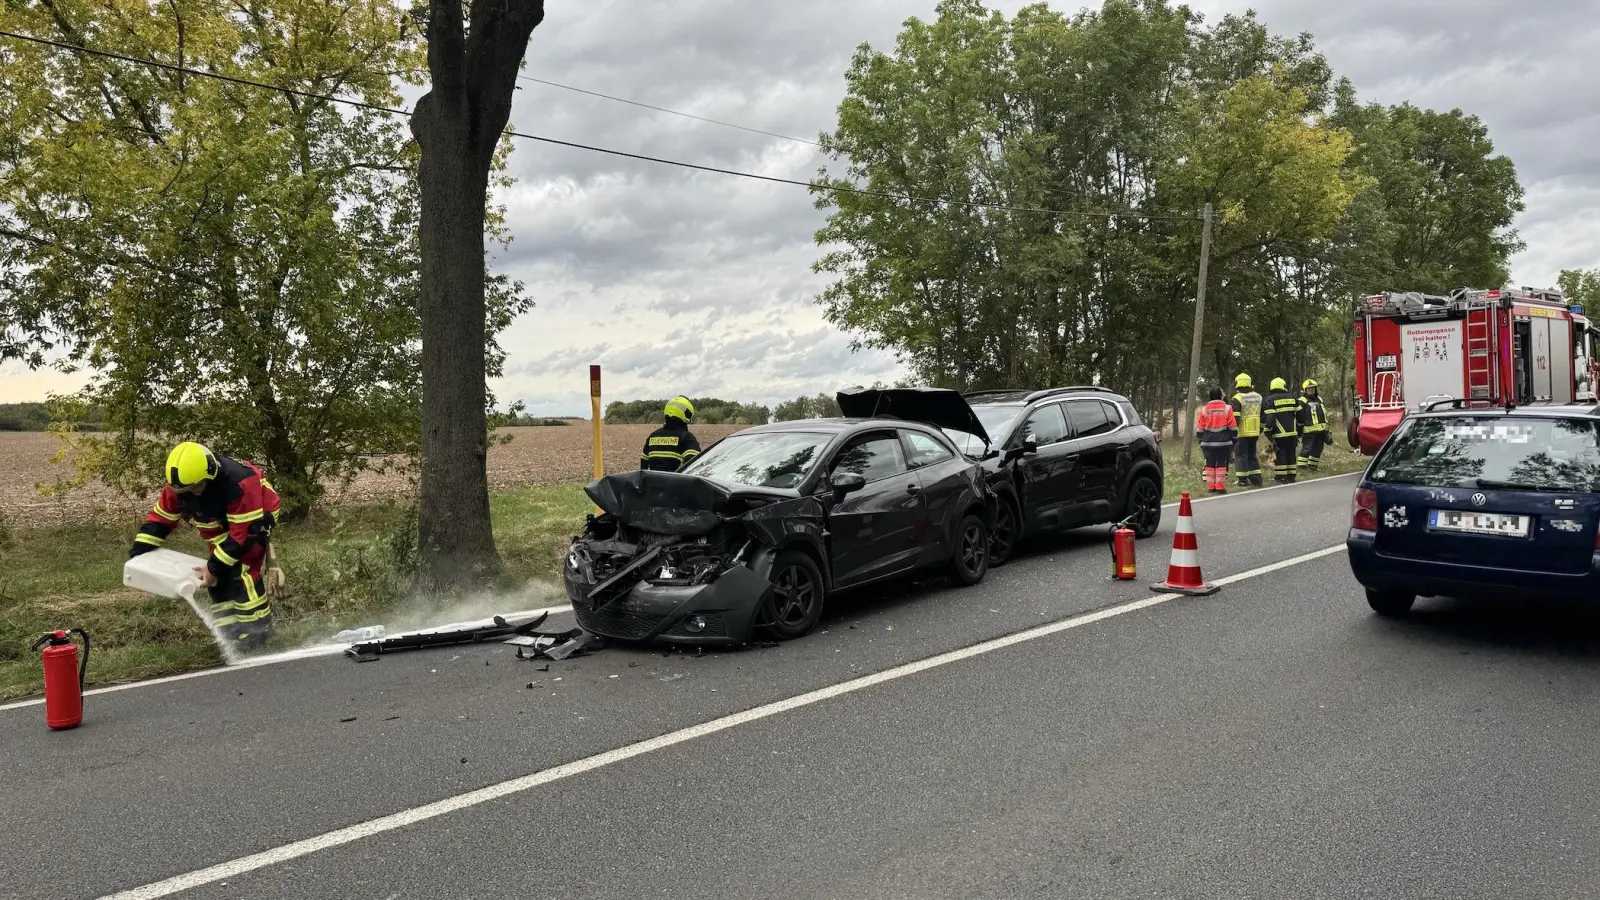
(335,649)
(371,827)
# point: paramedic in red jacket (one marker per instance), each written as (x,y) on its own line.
(234,508)
(1218,430)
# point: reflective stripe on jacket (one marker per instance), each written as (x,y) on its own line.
(1312,415)
(669,447)
(1247,407)
(1279,415)
(1216,425)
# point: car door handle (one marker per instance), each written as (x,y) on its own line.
(913,488)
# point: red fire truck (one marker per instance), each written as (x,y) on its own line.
(1494,348)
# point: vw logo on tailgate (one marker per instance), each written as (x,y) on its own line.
(1479,499)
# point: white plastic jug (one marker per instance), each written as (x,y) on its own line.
(164,572)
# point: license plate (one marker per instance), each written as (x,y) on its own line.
(1478,522)
(1386,362)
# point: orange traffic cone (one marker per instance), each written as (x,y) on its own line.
(1183,573)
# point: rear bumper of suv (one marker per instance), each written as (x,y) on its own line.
(1425,578)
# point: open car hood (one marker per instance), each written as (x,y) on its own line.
(672,503)
(939,407)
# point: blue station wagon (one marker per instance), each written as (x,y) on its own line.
(1474,502)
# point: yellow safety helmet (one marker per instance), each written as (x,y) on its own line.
(1242,381)
(1278,384)
(189,464)
(680,408)
(1308,384)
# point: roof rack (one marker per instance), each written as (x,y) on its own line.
(995,392)
(1418,305)
(1027,396)
(1458,403)
(1051,392)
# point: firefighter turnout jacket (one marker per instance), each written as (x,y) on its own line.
(1247,408)
(1279,413)
(234,514)
(1312,414)
(669,447)
(1216,425)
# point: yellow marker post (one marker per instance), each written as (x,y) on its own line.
(594,406)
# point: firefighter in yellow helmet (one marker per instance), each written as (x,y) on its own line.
(670,447)
(1312,417)
(1246,405)
(1278,415)
(232,505)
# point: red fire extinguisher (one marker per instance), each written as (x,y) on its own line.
(63,677)
(1123,567)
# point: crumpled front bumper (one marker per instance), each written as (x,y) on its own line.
(663,612)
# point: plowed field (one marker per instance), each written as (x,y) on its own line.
(547,455)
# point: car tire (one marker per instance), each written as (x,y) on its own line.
(785,616)
(1393,604)
(970,561)
(1007,532)
(1142,506)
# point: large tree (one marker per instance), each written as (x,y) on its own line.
(1445,202)
(1099,137)
(474,54)
(232,263)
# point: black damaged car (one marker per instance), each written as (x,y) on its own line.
(1065,458)
(758,531)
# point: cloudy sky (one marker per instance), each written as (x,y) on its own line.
(684,282)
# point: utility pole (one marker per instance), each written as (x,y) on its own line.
(1199,324)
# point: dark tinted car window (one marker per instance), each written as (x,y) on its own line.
(926,450)
(1129,414)
(1088,418)
(874,458)
(1046,424)
(1503,452)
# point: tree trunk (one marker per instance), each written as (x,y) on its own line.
(457,126)
(455,533)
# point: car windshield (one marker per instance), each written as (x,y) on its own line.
(996,420)
(775,459)
(1501,452)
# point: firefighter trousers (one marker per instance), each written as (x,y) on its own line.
(1284,464)
(1311,446)
(240,609)
(1216,467)
(1246,467)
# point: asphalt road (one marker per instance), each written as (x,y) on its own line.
(1273,740)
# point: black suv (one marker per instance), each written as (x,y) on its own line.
(1065,458)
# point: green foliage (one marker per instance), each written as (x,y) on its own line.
(1104,134)
(1441,216)
(235,265)
(1582,287)
(707,411)
(36,417)
(822,406)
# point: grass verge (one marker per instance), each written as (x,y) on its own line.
(1336,460)
(346,566)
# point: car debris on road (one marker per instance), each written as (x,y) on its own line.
(475,633)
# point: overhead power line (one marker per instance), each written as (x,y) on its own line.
(579,90)
(814,185)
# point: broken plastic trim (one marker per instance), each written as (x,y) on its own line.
(367,651)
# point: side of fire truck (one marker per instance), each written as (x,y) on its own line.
(1491,347)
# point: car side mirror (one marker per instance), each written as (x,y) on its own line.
(1030,443)
(845,483)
